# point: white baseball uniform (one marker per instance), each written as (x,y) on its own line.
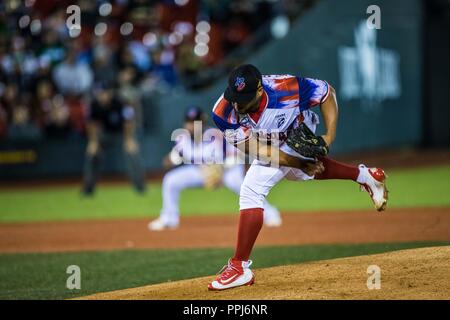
(286,102)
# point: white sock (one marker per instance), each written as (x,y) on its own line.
(362,175)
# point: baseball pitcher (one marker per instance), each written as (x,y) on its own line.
(275,112)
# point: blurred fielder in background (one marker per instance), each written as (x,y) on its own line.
(197,165)
(109,119)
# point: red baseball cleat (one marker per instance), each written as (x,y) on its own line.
(375,185)
(235,274)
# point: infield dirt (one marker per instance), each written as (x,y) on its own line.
(405,274)
(347,227)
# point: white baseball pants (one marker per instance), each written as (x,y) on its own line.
(260,178)
(190,176)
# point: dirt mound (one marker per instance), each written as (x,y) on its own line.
(406,274)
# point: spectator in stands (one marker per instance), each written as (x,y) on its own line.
(163,66)
(53,112)
(3,121)
(9,98)
(158,54)
(57,121)
(52,50)
(20,64)
(73,77)
(188,63)
(22,127)
(105,70)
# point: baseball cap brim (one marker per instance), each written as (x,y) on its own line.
(239,98)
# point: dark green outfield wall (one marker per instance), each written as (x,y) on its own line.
(377,75)
(388,118)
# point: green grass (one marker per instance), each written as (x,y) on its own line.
(43,276)
(408,188)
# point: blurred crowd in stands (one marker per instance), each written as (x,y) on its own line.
(48,72)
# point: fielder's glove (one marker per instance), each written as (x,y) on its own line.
(212,175)
(306,143)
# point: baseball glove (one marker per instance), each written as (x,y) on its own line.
(306,143)
(212,176)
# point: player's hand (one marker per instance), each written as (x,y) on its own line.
(92,148)
(328,139)
(167,163)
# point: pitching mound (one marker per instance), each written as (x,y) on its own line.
(406,274)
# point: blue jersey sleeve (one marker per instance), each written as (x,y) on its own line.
(312,92)
(224,116)
(222,124)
